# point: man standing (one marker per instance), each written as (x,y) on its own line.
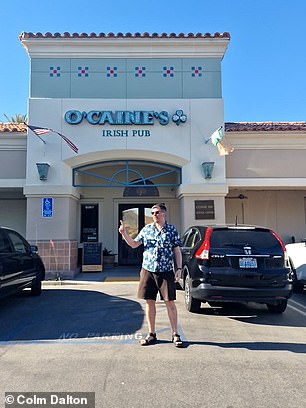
(161,254)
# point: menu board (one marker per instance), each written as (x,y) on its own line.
(92,257)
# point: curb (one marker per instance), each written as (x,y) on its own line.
(75,282)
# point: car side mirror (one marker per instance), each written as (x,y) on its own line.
(34,249)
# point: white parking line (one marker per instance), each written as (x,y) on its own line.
(297,310)
(297,304)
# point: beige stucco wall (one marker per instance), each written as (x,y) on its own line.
(188,211)
(13,204)
(13,153)
(13,164)
(266,163)
(181,146)
(282,211)
(61,226)
(13,212)
(269,169)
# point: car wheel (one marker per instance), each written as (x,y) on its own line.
(36,285)
(279,307)
(192,305)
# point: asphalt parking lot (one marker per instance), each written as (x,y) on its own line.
(84,337)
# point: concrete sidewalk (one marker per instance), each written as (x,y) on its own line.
(113,274)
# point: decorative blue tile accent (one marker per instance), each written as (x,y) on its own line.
(55,72)
(111,72)
(83,72)
(139,72)
(119,78)
(168,72)
(196,71)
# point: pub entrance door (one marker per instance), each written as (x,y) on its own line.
(134,217)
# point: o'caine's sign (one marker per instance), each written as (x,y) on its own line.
(95,117)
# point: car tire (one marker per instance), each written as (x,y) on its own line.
(279,307)
(192,305)
(36,285)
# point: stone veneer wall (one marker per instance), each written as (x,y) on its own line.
(60,258)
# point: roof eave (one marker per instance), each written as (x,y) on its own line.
(120,47)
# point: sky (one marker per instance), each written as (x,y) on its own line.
(263,70)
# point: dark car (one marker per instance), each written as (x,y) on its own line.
(20,265)
(235,263)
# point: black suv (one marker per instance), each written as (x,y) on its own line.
(235,263)
(20,265)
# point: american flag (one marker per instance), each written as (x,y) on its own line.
(69,142)
(39,131)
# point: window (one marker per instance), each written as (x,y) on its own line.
(261,240)
(5,246)
(193,238)
(185,238)
(18,243)
(143,189)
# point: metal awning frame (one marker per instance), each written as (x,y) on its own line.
(140,180)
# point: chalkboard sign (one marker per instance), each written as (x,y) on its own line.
(92,257)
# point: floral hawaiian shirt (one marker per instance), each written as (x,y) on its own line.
(158,247)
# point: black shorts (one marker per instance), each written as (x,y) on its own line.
(153,282)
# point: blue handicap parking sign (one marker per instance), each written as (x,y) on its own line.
(47,207)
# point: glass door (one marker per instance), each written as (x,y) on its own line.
(134,217)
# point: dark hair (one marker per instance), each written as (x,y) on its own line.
(162,206)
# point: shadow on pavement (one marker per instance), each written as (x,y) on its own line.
(67,314)
(254,346)
(255,313)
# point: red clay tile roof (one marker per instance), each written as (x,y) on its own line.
(264,126)
(121,35)
(13,127)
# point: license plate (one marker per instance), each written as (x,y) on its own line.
(247,263)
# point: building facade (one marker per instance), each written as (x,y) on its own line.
(139,108)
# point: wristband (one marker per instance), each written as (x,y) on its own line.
(178,269)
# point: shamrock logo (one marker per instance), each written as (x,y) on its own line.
(179,117)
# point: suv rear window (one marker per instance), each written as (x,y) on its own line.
(259,239)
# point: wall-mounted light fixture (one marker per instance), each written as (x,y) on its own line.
(43,169)
(207,168)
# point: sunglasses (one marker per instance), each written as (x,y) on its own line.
(155,212)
